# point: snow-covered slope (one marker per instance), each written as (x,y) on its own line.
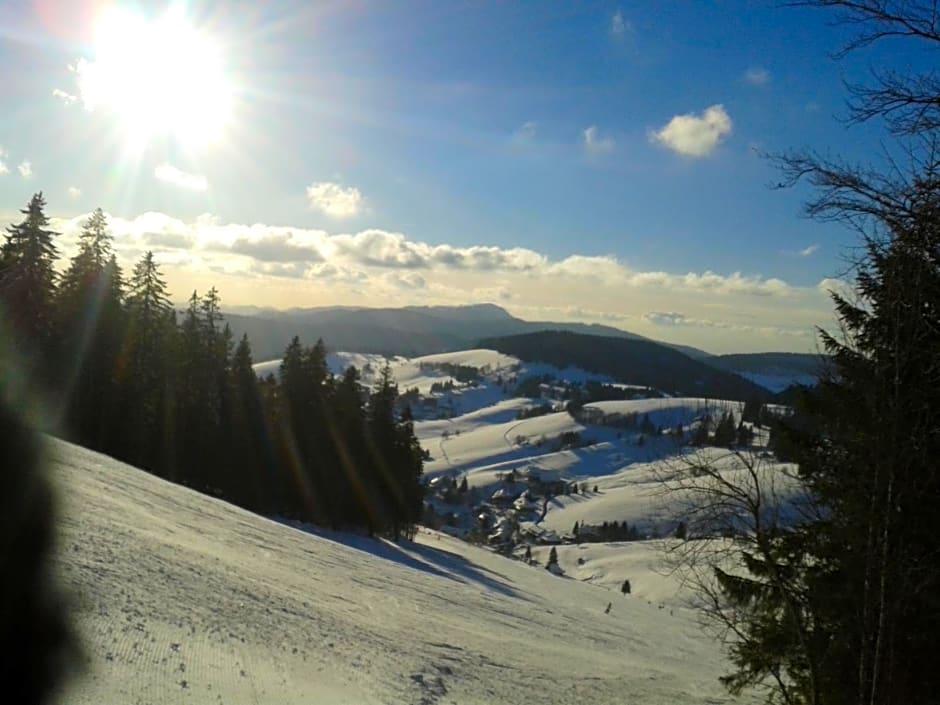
(492,438)
(337,362)
(635,493)
(472,358)
(181,598)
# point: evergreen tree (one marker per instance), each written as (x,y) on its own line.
(149,354)
(91,327)
(744,436)
(871,460)
(552,558)
(347,427)
(244,483)
(752,410)
(700,435)
(725,432)
(27,287)
(396,457)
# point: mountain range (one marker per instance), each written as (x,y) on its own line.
(413,331)
(409,331)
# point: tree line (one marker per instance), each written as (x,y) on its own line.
(174,394)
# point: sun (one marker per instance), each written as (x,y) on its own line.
(160,77)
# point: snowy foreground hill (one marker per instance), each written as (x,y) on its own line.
(181,598)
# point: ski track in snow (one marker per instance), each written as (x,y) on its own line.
(181,598)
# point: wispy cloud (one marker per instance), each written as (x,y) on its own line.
(527,132)
(74,192)
(4,169)
(694,135)
(673,319)
(335,200)
(669,318)
(64,96)
(808,251)
(170,174)
(757,76)
(594,144)
(619,25)
(25,168)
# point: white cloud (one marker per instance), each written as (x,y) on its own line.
(619,25)
(278,246)
(406,280)
(74,192)
(695,135)
(673,319)
(527,132)
(808,251)
(4,169)
(64,96)
(840,287)
(595,144)
(670,318)
(335,200)
(171,175)
(26,169)
(757,76)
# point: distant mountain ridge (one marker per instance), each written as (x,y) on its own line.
(641,362)
(409,331)
(774,371)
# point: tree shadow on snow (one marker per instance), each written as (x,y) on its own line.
(427,559)
(436,561)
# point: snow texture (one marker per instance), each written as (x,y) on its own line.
(182,598)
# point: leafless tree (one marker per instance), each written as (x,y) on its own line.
(737,506)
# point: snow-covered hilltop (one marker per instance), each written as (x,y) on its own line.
(183,598)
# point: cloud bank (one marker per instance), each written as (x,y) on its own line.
(284,266)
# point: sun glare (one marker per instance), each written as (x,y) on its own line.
(160,77)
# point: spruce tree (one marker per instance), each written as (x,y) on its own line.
(871,459)
(552,558)
(27,288)
(149,354)
(91,328)
(243,483)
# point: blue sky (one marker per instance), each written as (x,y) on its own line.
(577,160)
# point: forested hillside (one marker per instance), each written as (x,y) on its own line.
(175,395)
(639,362)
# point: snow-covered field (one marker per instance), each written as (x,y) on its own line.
(181,598)
(609,564)
(635,493)
(479,357)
